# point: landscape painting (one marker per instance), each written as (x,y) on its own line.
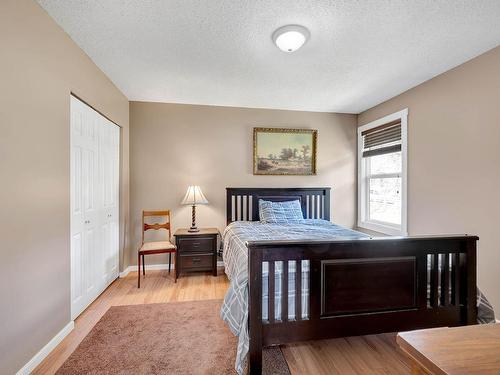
(280,151)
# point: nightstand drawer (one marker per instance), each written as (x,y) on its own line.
(197,261)
(198,244)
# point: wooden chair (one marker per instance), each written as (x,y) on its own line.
(154,247)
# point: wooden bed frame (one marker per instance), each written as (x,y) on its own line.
(356,287)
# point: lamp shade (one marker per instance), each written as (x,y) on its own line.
(194,195)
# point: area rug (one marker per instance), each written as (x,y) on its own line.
(163,338)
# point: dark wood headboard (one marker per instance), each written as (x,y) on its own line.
(243,203)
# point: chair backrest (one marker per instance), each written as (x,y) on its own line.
(156,226)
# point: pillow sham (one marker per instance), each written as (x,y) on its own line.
(280,212)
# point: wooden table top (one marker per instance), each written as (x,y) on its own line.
(459,350)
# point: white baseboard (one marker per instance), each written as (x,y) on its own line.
(129,269)
(497,320)
(124,273)
(45,351)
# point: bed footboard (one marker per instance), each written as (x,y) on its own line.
(358,287)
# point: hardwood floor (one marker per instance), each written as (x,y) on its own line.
(376,354)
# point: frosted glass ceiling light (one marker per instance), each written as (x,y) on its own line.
(290,38)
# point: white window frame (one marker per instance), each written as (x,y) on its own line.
(363,191)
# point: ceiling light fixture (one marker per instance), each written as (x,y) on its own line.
(290,38)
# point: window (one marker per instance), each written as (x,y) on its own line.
(382,150)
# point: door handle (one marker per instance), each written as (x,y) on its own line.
(196,260)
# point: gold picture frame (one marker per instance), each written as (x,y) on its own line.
(284,151)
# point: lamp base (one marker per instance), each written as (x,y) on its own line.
(193,228)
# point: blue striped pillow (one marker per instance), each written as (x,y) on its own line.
(280,212)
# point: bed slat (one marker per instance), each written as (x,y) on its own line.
(238,207)
(271,293)
(244,208)
(434,280)
(322,207)
(318,207)
(445,280)
(422,281)
(455,276)
(249,217)
(284,292)
(298,290)
(242,217)
(233,207)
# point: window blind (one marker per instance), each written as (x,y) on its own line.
(383,139)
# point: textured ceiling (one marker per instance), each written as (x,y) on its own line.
(219,52)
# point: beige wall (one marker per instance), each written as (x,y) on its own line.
(173,146)
(39,67)
(454,158)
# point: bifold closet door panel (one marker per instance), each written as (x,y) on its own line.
(85,204)
(110,164)
(94,179)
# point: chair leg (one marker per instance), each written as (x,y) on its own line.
(143,265)
(169,261)
(139,270)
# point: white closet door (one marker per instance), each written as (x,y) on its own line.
(94,166)
(84,203)
(109,165)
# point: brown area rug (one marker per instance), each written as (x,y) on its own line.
(163,338)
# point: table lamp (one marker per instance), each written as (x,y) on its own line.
(194,196)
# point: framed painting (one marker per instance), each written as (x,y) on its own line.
(278,151)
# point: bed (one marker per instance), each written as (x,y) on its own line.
(315,280)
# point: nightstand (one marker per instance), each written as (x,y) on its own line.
(196,251)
